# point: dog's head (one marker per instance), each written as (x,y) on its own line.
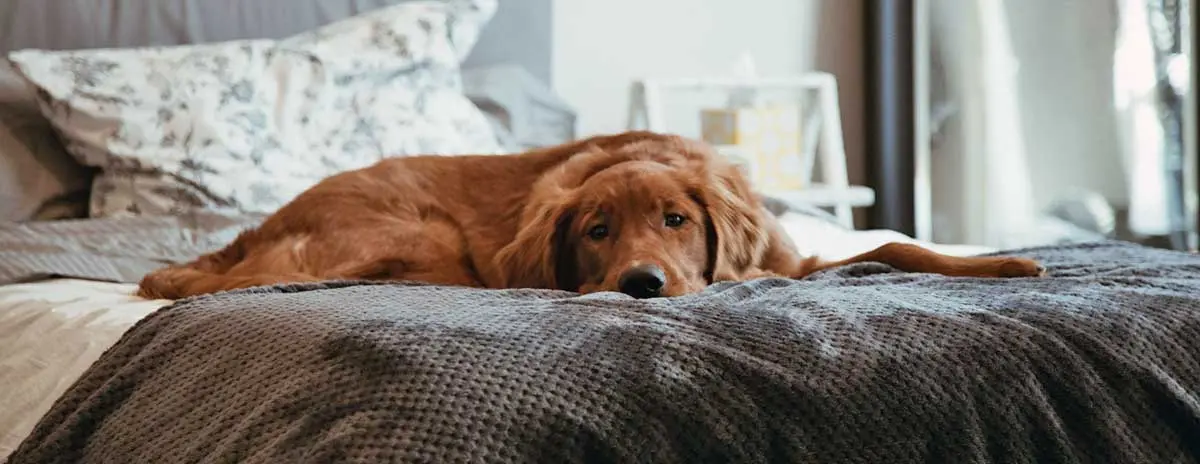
(649,216)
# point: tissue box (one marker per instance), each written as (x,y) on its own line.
(765,140)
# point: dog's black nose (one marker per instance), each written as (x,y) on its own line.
(644,281)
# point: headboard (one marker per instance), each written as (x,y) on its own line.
(519,33)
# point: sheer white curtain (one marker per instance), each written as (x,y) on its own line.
(1051,101)
(1142,136)
(981,184)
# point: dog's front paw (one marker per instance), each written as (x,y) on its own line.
(1020,267)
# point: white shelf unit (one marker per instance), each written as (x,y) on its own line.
(834,189)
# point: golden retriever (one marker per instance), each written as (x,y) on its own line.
(645,214)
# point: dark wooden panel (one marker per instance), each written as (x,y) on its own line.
(891,135)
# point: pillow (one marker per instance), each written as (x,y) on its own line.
(780,207)
(38,178)
(244,126)
(529,111)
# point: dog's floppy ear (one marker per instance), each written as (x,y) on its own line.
(737,239)
(538,257)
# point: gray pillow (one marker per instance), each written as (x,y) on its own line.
(779,207)
(39,180)
(529,113)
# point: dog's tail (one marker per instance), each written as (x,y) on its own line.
(208,274)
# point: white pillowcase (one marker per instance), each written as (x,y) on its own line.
(245,126)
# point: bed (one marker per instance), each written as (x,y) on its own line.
(113,173)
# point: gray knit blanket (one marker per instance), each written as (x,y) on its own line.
(1096,363)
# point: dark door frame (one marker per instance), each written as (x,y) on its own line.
(1193,107)
(891,113)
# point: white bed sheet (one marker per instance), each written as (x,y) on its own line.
(816,237)
(52,330)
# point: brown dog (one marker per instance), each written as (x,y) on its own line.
(645,214)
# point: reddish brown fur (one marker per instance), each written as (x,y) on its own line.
(522,221)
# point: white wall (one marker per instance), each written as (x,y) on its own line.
(600,47)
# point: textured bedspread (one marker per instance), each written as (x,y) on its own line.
(1097,363)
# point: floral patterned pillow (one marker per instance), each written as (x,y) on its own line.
(244,126)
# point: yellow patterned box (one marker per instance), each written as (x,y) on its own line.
(766,138)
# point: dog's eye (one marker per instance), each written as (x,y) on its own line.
(598,232)
(674,220)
